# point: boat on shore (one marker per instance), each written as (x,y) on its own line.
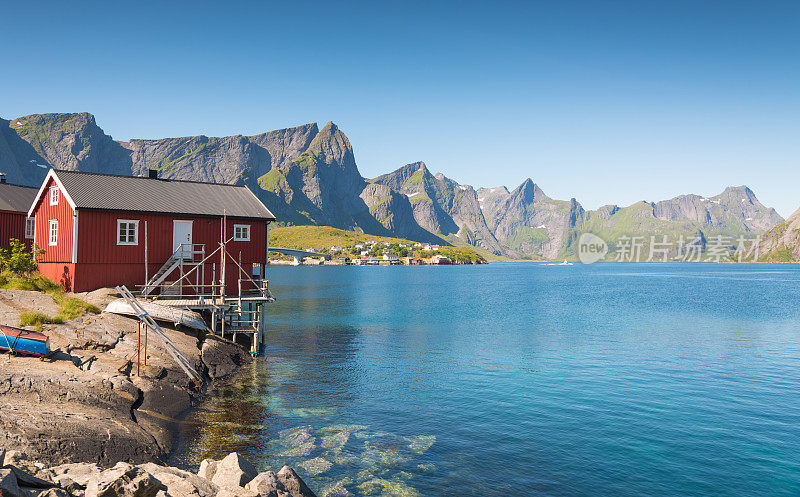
(19,341)
(160,312)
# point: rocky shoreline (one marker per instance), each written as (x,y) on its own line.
(232,476)
(86,403)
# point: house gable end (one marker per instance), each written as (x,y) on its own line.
(49,180)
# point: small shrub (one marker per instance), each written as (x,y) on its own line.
(18,259)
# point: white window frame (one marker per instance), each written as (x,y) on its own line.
(237,238)
(52,234)
(135,223)
(54,195)
(30,227)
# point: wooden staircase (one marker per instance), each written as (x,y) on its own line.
(184,255)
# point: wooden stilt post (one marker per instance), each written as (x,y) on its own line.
(223,260)
(138,347)
(146,268)
(145,343)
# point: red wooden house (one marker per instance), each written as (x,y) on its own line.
(14,204)
(100,230)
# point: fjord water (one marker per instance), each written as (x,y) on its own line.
(523,379)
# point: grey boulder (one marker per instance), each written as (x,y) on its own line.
(8,484)
(284,483)
(26,479)
(207,469)
(77,473)
(222,357)
(123,480)
(54,492)
(181,483)
(233,471)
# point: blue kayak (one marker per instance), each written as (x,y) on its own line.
(26,342)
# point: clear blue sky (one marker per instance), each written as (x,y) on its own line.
(609,102)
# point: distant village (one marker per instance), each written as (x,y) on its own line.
(376,253)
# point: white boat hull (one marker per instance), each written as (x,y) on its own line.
(160,313)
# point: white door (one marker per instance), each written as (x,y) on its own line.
(182,233)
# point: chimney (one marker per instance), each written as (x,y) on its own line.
(2,177)
(152,173)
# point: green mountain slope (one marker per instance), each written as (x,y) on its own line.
(782,242)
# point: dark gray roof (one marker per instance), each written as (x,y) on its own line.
(133,193)
(16,198)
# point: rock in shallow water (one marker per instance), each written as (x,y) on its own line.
(315,466)
(299,440)
(421,444)
(337,490)
(379,486)
(336,441)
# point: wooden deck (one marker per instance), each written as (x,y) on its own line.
(210,302)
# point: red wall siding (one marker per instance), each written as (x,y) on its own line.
(62,273)
(12,225)
(44,212)
(101,262)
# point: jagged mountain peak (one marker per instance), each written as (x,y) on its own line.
(333,147)
(529,192)
(740,192)
(405,177)
(420,165)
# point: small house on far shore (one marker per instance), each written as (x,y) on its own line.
(440,259)
(101,230)
(15,201)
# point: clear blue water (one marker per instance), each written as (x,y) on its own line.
(523,379)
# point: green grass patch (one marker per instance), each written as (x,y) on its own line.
(68,307)
(73,307)
(38,319)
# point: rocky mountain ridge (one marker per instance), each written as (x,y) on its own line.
(782,242)
(307,175)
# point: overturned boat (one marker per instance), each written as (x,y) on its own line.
(18,341)
(160,312)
